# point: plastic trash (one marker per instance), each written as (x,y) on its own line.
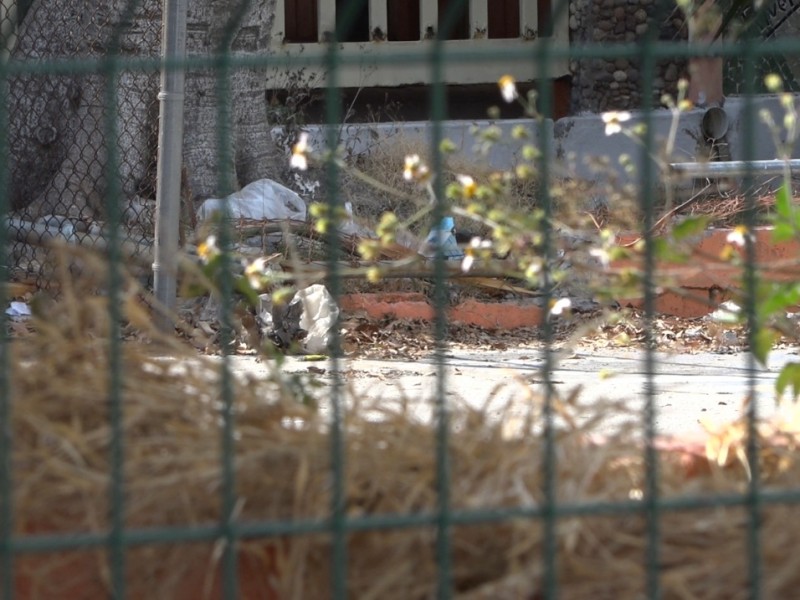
(259,200)
(728,313)
(58,226)
(444,235)
(308,320)
(350,227)
(18,311)
(319,316)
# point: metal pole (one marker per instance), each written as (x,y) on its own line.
(732,168)
(170,160)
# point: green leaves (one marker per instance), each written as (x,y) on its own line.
(775,298)
(669,252)
(789,378)
(690,227)
(786,222)
(245,288)
(762,344)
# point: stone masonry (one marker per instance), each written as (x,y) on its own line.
(602,85)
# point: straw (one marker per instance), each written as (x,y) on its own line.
(172,478)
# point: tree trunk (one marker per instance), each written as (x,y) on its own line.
(58,123)
(250,149)
(705,73)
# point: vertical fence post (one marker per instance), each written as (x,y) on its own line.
(651,500)
(338,442)
(7,41)
(170,150)
(6,432)
(444,517)
(750,290)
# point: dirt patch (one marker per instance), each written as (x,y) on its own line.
(391,338)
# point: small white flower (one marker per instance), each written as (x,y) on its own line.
(602,256)
(738,236)
(414,169)
(300,153)
(614,120)
(208,249)
(508,88)
(261,272)
(773,83)
(533,269)
(468,185)
(255,271)
(560,306)
(476,245)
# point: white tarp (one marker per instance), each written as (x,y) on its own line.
(259,200)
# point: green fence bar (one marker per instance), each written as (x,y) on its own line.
(652,510)
(6,431)
(116,548)
(338,442)
(444,584)
(223,72)
(549,459)
(750,285)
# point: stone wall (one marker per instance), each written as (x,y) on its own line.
(600,84)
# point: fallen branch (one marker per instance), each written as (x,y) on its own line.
(43,234)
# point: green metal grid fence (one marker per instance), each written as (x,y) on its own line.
(118,540)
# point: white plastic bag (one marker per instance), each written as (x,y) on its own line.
(351,227)
(318,319)
(261,199)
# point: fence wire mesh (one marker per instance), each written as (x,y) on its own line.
(58,149)
(775,20)
(136,469)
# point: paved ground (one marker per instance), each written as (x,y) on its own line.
(689,387)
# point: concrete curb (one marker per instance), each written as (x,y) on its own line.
(489,315)
(706,280)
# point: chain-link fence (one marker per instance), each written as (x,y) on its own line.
(770,21)
(132,466)
(57,142)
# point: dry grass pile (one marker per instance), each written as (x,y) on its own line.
(384,161)
(729,210)
(282,459)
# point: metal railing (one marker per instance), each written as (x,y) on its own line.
(368,47)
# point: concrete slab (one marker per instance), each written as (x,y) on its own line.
(576,144)
(689,388)
(582,138)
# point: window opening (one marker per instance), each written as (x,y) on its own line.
(503,18)
(300,21)
(460,30)
(359,27)
(404,20)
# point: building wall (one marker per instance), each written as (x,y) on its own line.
(587,85)
(600,84)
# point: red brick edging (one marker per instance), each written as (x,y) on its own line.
(694,288)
